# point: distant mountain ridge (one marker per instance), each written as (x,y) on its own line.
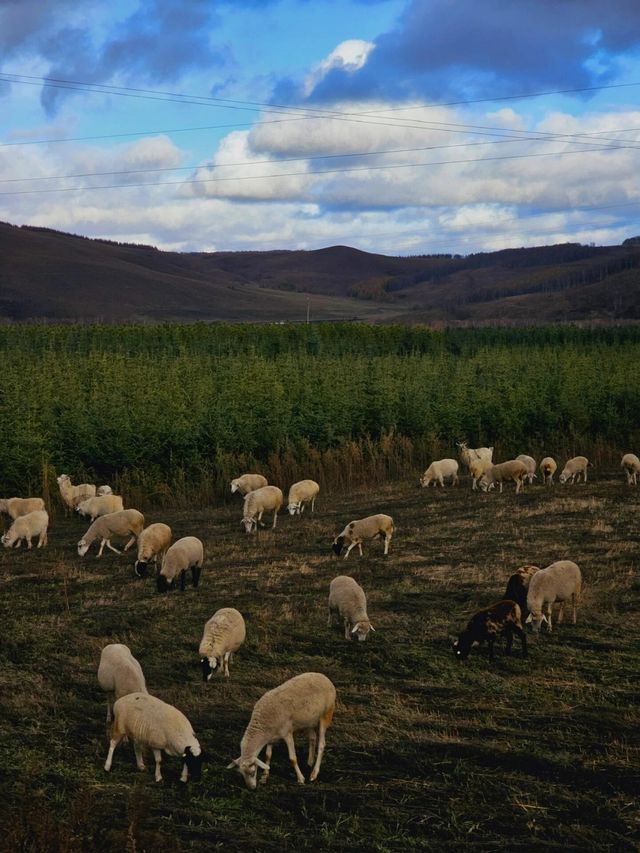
(47,275)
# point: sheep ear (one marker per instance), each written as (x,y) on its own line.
(528,619)
(544,619)
(261,764)
(371,628)
(355,627)
(234,763)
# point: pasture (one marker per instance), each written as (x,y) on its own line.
(425,752)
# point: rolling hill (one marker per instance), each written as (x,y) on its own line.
(53,276)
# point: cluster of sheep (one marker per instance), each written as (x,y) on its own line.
(260,497)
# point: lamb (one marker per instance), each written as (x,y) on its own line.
(16,507)
(469,453)
(631,465)
(265,499)
(559,582)
(504,617)
(514,470)
(530,462)
(149,721)
(548,467)
(153,542)
(303,703)
(439,471)
(248,483)
(301,493)
(119,673)
(104,490)
(518,587)
(573,469)
(477,468)
(186,553)
(100,505)
(26,527)
(348,602)
(223,635)
(365,528)
(73,495)
(128,522)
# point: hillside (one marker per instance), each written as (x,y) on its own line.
(46,274)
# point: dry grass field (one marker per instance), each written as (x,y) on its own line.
(425,752)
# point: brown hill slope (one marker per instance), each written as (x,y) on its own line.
(45,274)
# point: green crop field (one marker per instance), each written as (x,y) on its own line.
(425,752)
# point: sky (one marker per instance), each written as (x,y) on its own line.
(402,127)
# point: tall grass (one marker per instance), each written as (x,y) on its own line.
(170,413)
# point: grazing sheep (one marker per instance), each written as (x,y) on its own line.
(223,635)
(365,528)
(469,453)
(73,495)
(265,499)
(439,471)
(186,553)
(514,470)
(26,527)
(119,673)
(100,505)
(15,507)
(104,490)
(530,462)
(128,522)
(301,493)
(303,703)
(548,467)
(631,465)
(573,469)
(518,587)
(153,542)
(151,722)
(559,582)
(504,617)
(477,468)
(348,603)
(248,483)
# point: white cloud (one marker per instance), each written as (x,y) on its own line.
(349,56)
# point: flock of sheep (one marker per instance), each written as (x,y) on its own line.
(307,701)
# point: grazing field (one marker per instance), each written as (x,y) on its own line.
(425,752)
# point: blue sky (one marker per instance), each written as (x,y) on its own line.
(392,126)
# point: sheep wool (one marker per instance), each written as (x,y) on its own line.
(302,493)
(348,605)
(27,527)
(119,674)
(186,553)
(223,635)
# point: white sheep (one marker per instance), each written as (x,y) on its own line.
(514,470)
(73,495)
(364,528)
(265,499)
(15,507)
(631,465)
(548,467)
(26,527)
(301,493)
(128,522)
(559,582)
(439,471)
(119,673)
(573,468)
(149,721)
(248,483)
(185,553)
(100,505)
(223,635)
(469,453)
(303,703)
(348,604)
(104,490)
(153,542)
(530,462)
(477,468)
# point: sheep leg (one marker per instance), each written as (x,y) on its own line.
(313,504)
(195,574)
(259,520)
(139,757)
(130,543)
(387,540)
(509,636)
(275,519)
(182,579)
(549,616)
(353,545)
(313,742)
(560,612)
(574,601)
(157,754)
(347,629)
(293,758)
(474,484)
(500,486)
(43,539)
(523,639)
(225,668)
(360,548)
(490,643)
(29,542)
(109,545)
(112,747)
(322,728)
(265,773)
